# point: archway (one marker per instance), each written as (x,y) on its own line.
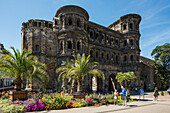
(112,83)
(94,84)
(99,85)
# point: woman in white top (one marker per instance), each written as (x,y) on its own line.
(115,97)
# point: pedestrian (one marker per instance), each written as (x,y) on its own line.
(115,97)
(136,89)
(124,96)
(127,95)
(141,93)
(155,94)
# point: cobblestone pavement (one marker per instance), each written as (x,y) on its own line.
(147,106)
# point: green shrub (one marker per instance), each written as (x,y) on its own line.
(6,107)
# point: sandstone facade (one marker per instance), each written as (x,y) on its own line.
(115,47)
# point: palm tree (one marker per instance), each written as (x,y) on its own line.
(22,65)
(125,77)
(78,68)
(36,70)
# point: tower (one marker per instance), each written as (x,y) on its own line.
(128,25)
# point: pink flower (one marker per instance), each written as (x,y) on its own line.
(89,100)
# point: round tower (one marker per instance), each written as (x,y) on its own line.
(70,17)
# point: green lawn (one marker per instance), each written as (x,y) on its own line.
(165,92)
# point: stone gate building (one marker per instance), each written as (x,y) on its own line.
(115,47)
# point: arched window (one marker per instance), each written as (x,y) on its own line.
(117,60)
(102,37)
(69,21)
(131,26)
(125,42)
(116,42)
(107,56)
(131,41)
(107,39)
(69,45)
(97,54)
(55,22)
(37,48)
(78,22)
(131,57)
(124,27)
(50,48)
(125,58)
(78,45)
(91,34)
(39,24)
(102,55)
(46,24)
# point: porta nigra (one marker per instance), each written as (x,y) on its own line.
(115,47)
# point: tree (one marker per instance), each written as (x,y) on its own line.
(125,77)
(162,72)
(22,65)
(161,55)
(78,68)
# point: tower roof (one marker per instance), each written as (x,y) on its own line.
(124,17)
(72,9)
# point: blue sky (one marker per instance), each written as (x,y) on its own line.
(154,27)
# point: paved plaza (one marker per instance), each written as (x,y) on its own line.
(147,106)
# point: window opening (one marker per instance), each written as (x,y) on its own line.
(131,57)
(131,42)
(78,45)
(78,23)
(124,27)
(69,45)
(37,48)
(131,26)
(69,21)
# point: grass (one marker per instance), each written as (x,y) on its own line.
(119,100)
(165,92)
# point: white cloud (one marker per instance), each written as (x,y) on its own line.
(155,38)
(155,12)
(153,25)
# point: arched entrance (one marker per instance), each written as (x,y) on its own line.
(94,84)
(112,83)
(99,85)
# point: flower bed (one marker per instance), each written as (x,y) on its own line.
(52,101)
(56,101)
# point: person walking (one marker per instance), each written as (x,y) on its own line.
(127,95)
(155,94)
(115,97)
(124,96)
(141,93)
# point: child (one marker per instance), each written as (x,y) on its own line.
(155,94)
(115,97)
